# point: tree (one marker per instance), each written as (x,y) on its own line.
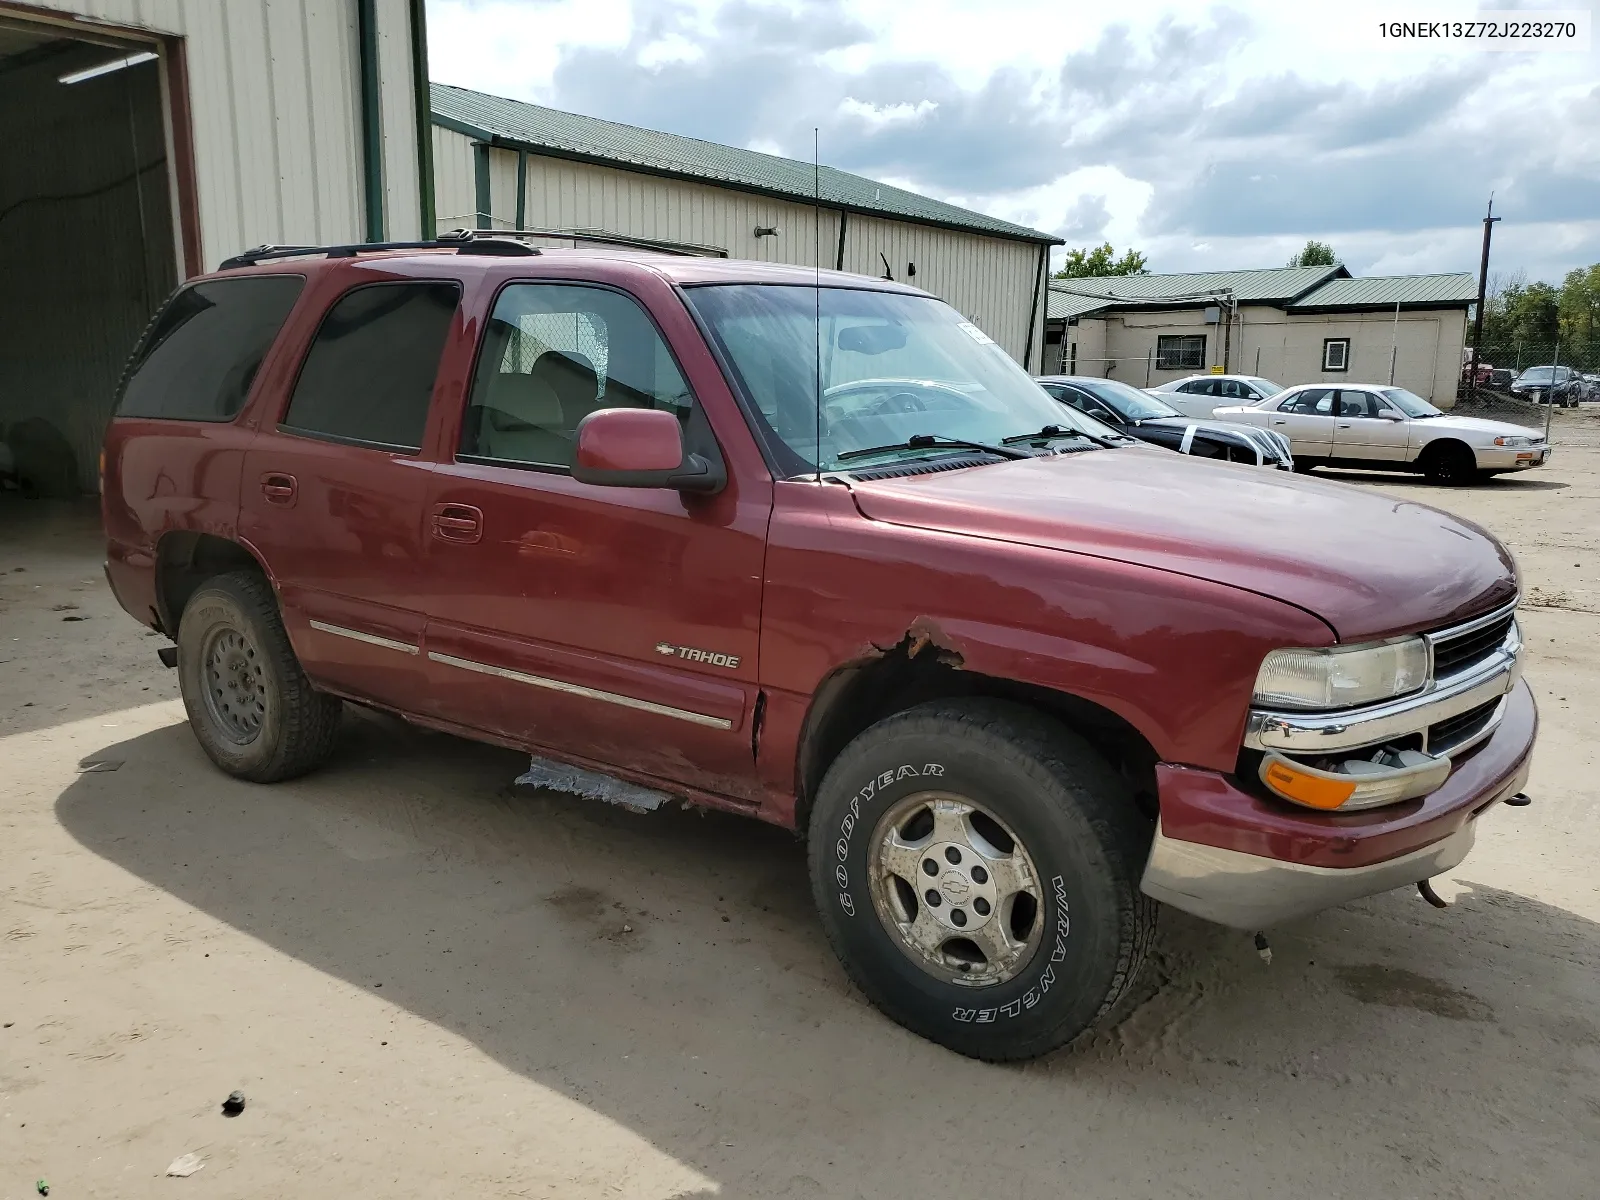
(1579,304)
(1086,263)
(1531,313)
(1315,254)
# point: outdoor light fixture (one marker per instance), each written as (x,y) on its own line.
(106,68)
(766,231)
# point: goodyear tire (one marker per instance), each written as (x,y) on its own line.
(249,702)
(976,866)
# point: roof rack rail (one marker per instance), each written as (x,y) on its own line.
(600,237)
(507,242)
(462,241)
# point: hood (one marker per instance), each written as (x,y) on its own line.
(1368,564)
(1477,425)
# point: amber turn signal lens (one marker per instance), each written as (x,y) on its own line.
(1303,787)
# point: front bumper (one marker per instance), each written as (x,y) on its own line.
(1507,459)
(1230,856)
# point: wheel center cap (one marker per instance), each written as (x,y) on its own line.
(955,887)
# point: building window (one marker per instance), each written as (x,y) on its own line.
(1180,352)
(1335,354)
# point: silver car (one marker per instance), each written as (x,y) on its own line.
(1199,395)
(1378,427)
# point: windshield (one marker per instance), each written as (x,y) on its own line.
(1538,375)
(1409,403)
(1265,386)
(1129,402)
(892,367)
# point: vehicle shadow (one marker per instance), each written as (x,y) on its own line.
(1499,483)
(577,934)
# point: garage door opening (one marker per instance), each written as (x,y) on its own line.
(87,245)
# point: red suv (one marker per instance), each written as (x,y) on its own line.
(810,547)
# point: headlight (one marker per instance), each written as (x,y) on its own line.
(1342,676)
(1518,442)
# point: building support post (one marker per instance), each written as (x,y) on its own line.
(1033,313)
(424,105)
(371,118)
(522,189)
(480,179)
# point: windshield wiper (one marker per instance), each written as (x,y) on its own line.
(1056,431)
(934,441)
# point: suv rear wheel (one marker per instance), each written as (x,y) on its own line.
(250,705)
(975,865)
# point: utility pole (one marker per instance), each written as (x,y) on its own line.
(1483,286)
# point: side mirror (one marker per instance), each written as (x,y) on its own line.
(641,448)
(1389,414)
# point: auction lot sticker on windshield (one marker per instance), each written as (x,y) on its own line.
(976,334)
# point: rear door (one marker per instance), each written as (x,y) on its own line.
(609,624)
(1361,434)
(1306,419)
(333,492)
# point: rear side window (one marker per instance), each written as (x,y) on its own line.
(369,374)
(201,355)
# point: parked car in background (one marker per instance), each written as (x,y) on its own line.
(1501,377)
(1015,678)
(1593,382)
(1151,419)
(1198,395)
(1551,385)
(1377,427)
(1485,372)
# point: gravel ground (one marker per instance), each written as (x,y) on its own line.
(427,982)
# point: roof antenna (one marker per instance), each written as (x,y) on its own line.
(816,258)
(888,271)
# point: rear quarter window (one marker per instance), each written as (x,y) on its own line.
(201,354)
(368,377)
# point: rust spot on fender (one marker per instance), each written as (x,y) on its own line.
(923,634)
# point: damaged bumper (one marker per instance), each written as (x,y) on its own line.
(1229,856)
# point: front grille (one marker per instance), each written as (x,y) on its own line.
(1453,655)
(1444,734)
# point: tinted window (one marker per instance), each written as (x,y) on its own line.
(201,355)
(369,374)
(553,354)
(1313,402)
(1085,403)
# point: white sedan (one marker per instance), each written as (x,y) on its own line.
(1377,427)
(1199,395)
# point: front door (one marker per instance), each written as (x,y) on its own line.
(333,490)
(615,625)
(1306,419)
(1360,434)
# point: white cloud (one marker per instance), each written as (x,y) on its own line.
(876,116)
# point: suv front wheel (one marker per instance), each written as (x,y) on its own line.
(249,702)
(975,865)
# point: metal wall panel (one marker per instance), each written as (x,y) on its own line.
(989,280)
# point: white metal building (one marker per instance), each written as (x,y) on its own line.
(503,164)
(1290,324)
(142,141)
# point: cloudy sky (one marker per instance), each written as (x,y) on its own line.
(1208,137)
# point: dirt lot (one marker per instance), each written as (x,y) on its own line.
(430,983)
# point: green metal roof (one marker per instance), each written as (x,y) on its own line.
(1386,291)
(1059,304)
(1270,285)
(531,127)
